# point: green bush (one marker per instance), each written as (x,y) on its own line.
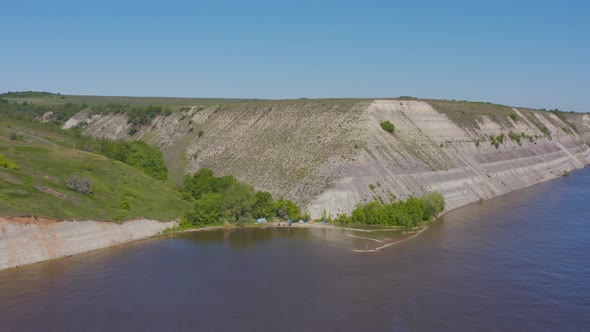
(433,203)
(4,162)
(125,205)
(514,116)
(200,133)
(137,154)
(410,213)
(388,126)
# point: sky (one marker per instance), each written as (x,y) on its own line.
(519,53)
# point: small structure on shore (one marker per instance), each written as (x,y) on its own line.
(261,221)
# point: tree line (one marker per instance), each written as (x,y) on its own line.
(410,213)
(225,199)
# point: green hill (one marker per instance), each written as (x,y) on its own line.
(39,185)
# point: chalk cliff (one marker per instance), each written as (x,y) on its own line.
(30,240)
(329,155)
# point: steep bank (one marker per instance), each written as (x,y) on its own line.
(30,240)
(329,155)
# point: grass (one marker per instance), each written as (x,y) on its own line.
(175,103)
(467,114)
(39,186)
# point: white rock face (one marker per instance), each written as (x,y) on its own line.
(34,241)
(406,164)
(330,156)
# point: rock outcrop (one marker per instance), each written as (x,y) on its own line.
(30,240)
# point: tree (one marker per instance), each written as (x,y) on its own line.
(264,205)
(207,210)
(286,209)
(239,200)
(433,203)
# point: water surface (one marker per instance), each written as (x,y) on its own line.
(520,262)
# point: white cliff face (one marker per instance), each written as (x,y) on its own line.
(327,155)
(428,152)
(26,240)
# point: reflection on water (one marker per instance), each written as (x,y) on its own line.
(244,237)
(516,263)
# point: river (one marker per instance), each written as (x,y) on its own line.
(520,262)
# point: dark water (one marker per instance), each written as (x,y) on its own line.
(517,263)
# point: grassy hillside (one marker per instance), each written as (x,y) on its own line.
(118,191)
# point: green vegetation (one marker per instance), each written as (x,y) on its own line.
(224,199)
(40,187)
(137,154)
(468,114)
(125,205)
(4,162)
(59,113)
(497,140)
(515,137)
(411,213)
(514,116)
(79,184)
(388,126)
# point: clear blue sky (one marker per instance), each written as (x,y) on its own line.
(524,53)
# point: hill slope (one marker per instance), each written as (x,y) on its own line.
(329,155)
(39,186)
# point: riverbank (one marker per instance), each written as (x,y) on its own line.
(28,240)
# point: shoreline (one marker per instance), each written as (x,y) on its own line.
(414,232)
(46,241)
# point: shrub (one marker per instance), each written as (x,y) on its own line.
(125,205)
(137,154)
(200,133)
(434,203)
(13,136)
(409,213)
(514,116)
(79,184)
(4,162)
(388,126)
(515,137)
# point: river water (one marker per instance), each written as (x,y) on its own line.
(520,262)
